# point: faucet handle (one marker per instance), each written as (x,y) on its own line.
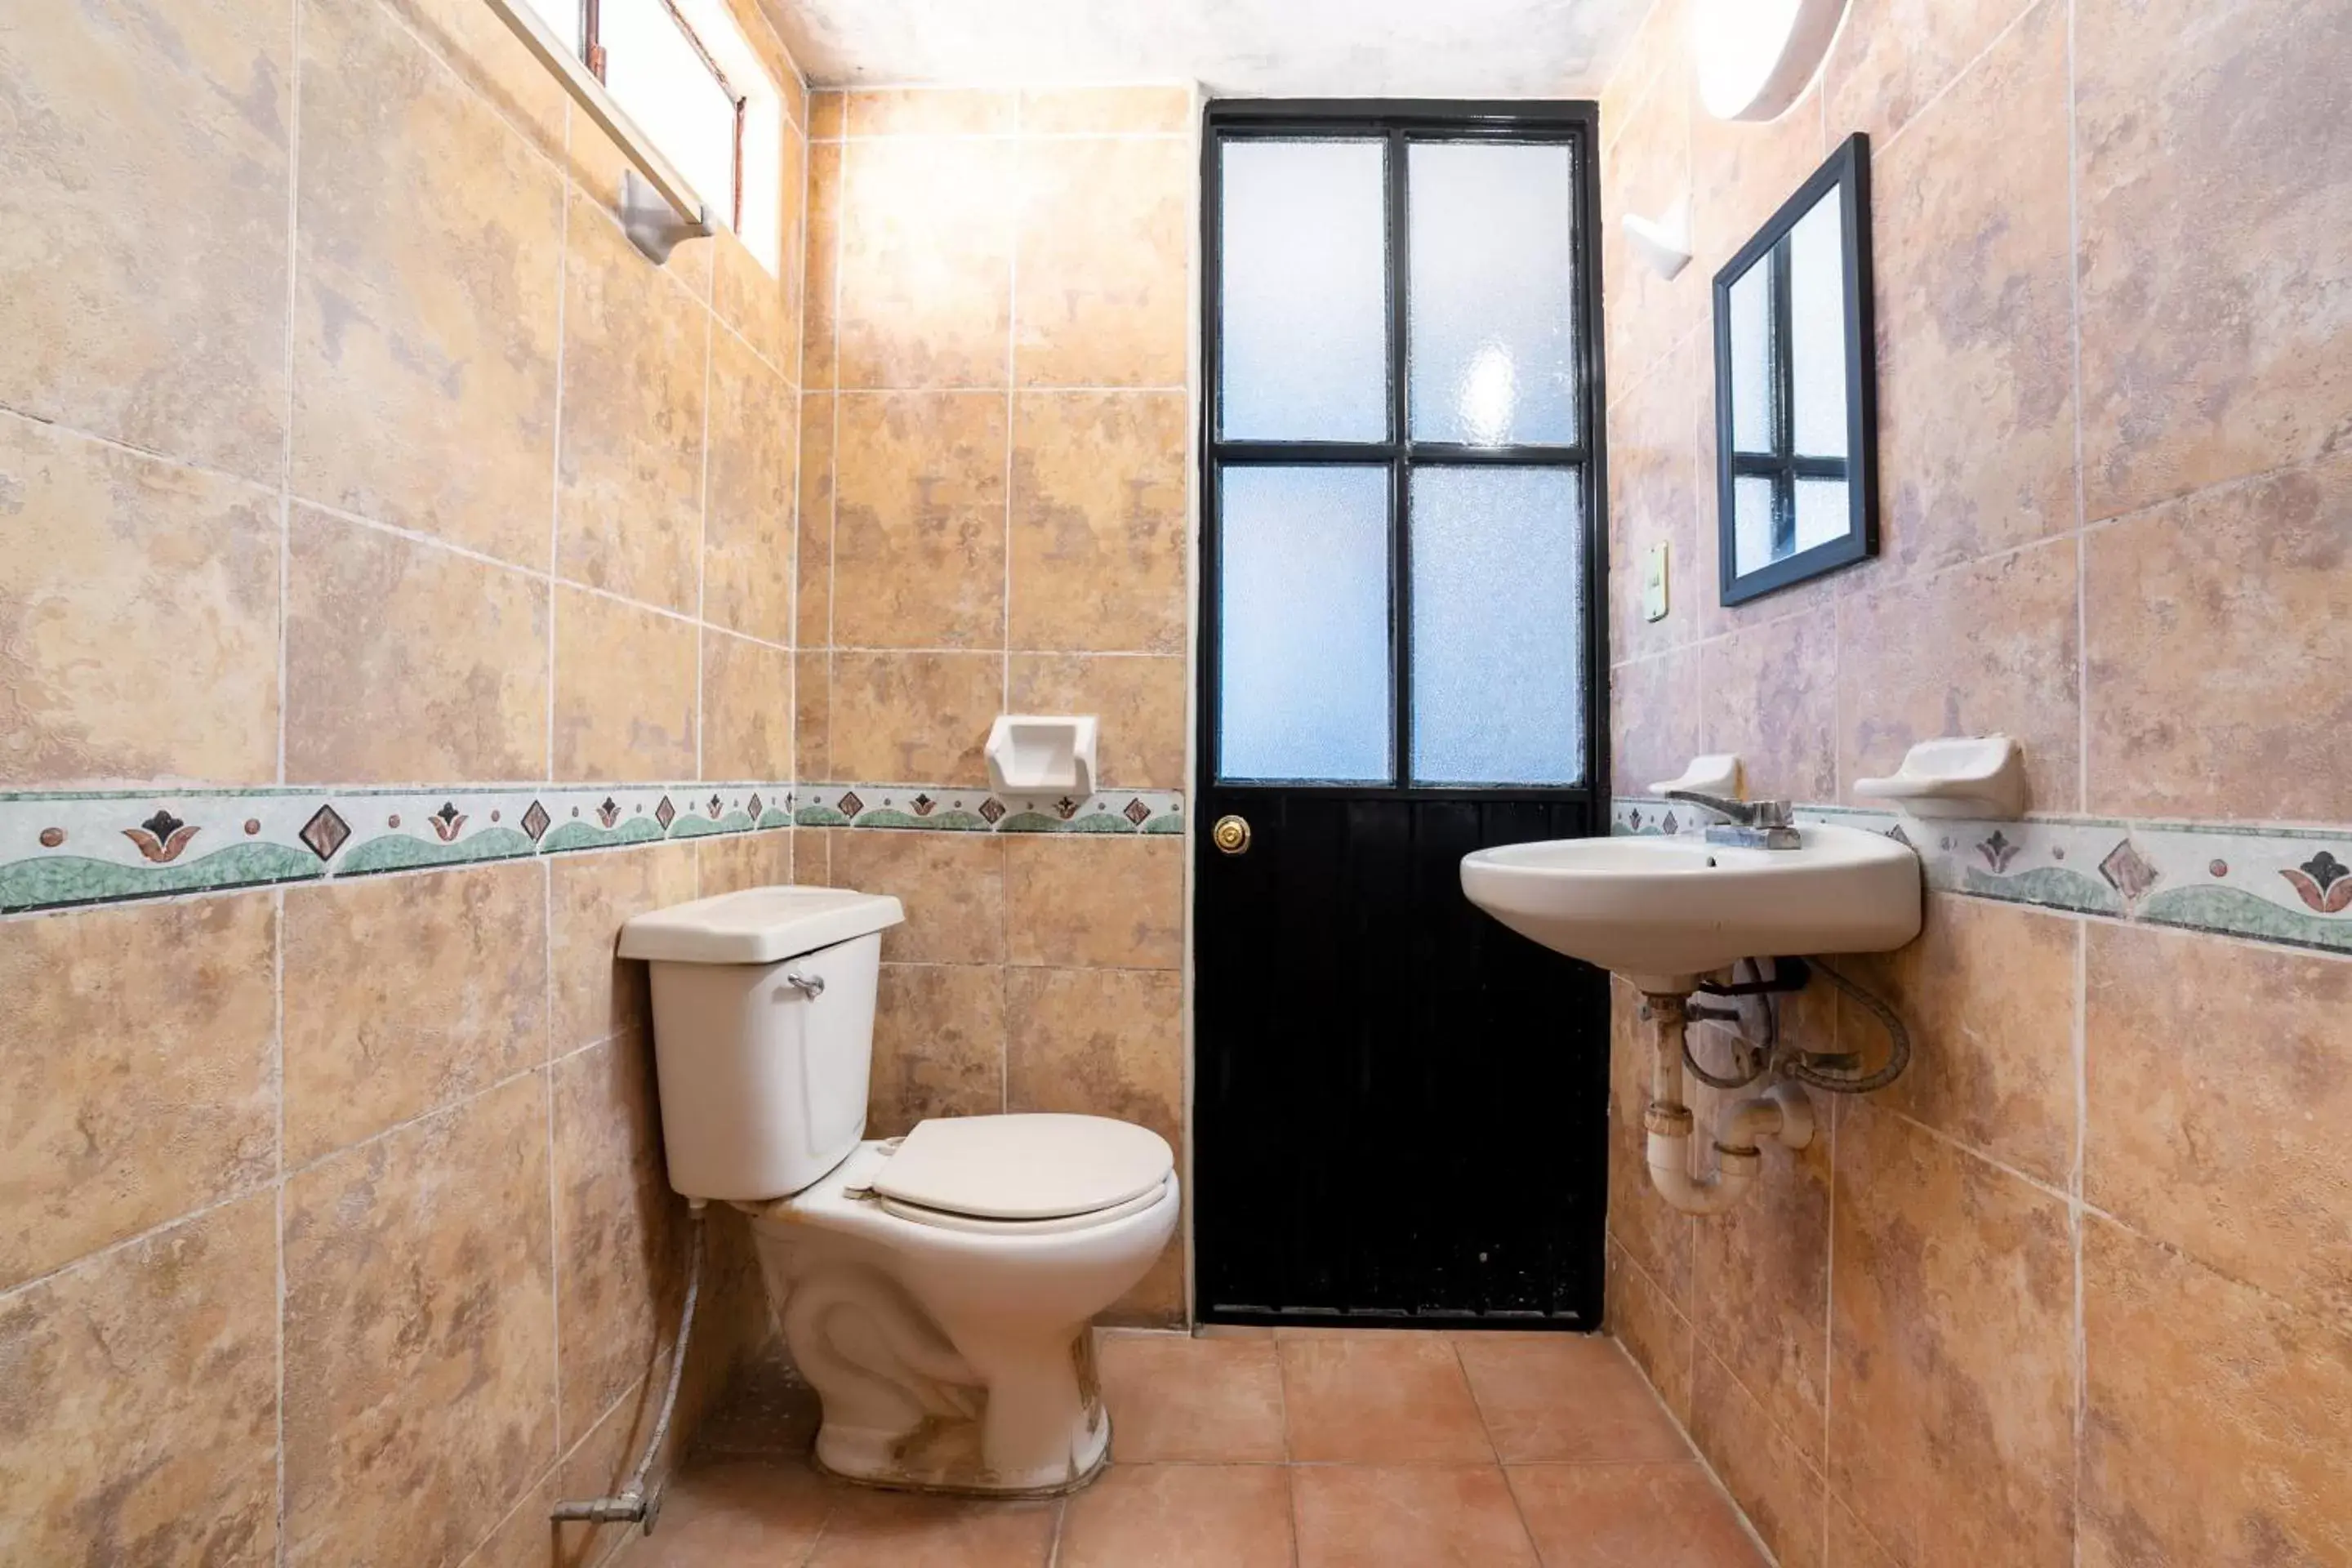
(1729,810)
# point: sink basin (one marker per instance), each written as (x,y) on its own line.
(1662,911)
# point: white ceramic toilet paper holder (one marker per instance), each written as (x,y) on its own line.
(1035,753)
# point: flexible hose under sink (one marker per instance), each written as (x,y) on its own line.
(1898,1046)
(633,1504)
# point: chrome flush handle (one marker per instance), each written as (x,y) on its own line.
(809,985)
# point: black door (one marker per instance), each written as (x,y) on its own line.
(1399,1104)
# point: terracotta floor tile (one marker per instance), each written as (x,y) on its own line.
(1410,1516)
(1180,1516)
(872,1529)
(1379,1397)
(1630,1515)
(1565,1397)
(1213,1401)
(756,1513)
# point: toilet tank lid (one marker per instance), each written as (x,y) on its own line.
(757,925)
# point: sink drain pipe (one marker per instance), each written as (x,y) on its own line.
(1782,1112)
(635,1504)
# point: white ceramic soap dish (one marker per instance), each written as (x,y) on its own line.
(1978,777)
(1038,753)
(1716,774)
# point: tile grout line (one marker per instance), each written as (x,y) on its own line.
(293,306)
(1004,603)
(555,442)
(2082,504)
(1012,380)
(799,299)
(2078,1225)
(832,445)
(277,1192)
(284,606)
(548,1059)
(702,539)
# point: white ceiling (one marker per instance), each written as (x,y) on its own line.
(1340,48)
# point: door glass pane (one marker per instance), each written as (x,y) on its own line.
(1498,626)
(1303,293)
(1752,359)
(1492,305)
(1302,623)
(1817,330)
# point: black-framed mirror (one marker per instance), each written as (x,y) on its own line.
(1796,417)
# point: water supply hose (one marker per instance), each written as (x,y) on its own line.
(634,1504)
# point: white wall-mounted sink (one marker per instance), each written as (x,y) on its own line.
(1662,911)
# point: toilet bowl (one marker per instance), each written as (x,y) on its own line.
(936,1289)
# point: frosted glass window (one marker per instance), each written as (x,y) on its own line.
(1817,330)
(1302,623)
(1752,360)
(1493,293)
(563,18)
(1498,626)
(1752,505)
(1303,295)
(661,82)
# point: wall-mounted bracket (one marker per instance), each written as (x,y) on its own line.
(651,222)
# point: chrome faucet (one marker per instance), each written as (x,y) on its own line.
(1749,823)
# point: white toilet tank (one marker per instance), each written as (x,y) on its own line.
(763,1033)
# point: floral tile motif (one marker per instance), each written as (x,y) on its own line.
(944,809)
(70,847)
(2291,885)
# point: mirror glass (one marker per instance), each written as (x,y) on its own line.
(1792,388)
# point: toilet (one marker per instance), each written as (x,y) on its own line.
(936,1289)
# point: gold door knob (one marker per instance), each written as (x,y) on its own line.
(1231,834)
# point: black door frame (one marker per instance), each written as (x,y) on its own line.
(1398,121)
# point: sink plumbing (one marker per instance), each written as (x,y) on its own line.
(1783,1111)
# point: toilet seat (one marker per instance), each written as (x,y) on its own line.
(946,1219)
(1031,1174)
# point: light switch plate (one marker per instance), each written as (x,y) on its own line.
(1653,583)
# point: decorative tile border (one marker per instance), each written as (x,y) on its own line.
(941,808)
(62,849)
(2291,885)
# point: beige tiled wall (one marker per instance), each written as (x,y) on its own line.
(2073,1289)
(343,439)
(996,516)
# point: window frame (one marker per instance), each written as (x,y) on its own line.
(592,55)
(1399,122)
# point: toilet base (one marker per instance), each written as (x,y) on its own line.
(949,1360)
(881,1459)
(909,1405)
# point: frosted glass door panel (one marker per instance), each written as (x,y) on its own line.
(1493,293)
(1817,331)
(1498,626)
(1304,297)
(1303,625)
